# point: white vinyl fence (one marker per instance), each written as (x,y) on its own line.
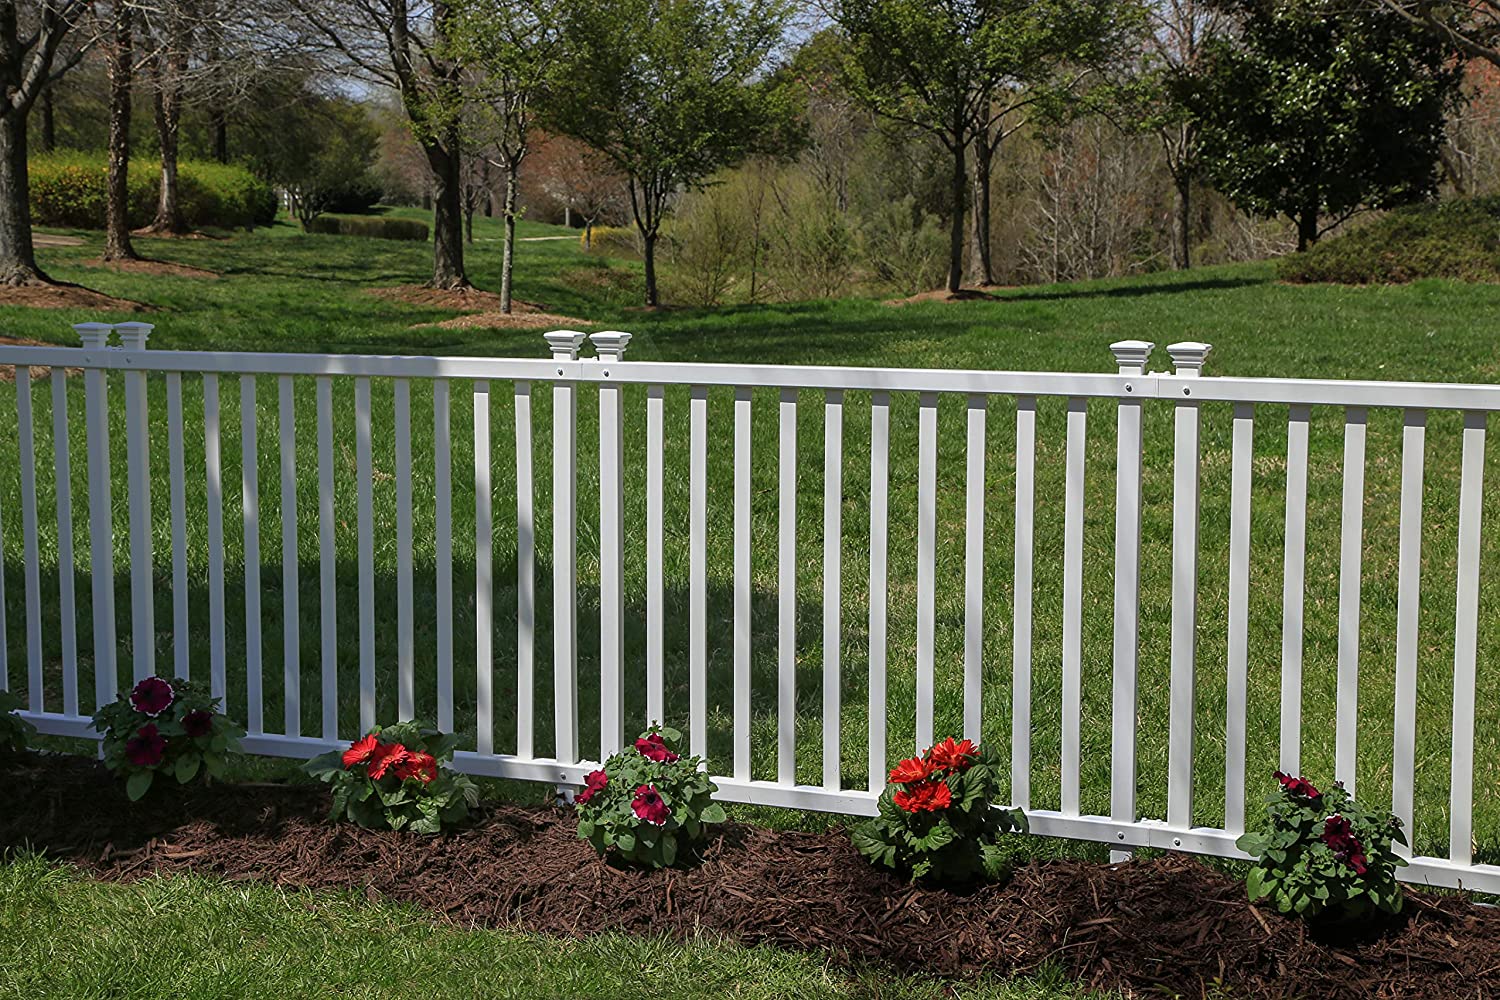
(158,519)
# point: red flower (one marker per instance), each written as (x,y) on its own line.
(594,782)
(360,750)
(653,747)
(952,756)
(1345,846)
(146,747)
(152,696)
(1298,787)
(386,755)
(911,769)
(925,795)
(649,806)
(198,723)
(419,765)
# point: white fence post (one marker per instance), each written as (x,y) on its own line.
(95,338)
(610,348)
(1187,359)
(138,478)
(1131,356)
(564,345)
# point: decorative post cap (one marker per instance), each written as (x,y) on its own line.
(610,344)
(564,344)
(1132,355)
(93,334)
(133,335)
(1188,357)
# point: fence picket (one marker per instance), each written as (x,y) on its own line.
(94,337)
(364,489)
(1020,713)
(926,565)
(66,568)
(742,584)
(1293,588)
(655,397)
(291,637)
(1346,708)
(1466,637)
(525,577)
(1072,598)
(1237,694)
(177,490)
(250,510)
(610,348)
(406,684)
(564,345)
(880,436)
(833,500)
(442,497)
(974,571)
(698,571)
(786,586)
(138,488)
(327,563)
(214,487)
(26,448)
(1408,598)
(484,585)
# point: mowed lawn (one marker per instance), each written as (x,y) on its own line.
(283,291)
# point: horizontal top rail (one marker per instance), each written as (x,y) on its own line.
(1185,385)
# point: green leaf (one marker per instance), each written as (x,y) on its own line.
(187,767)
(138,784)
(713,813)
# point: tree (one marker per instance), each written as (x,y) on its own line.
(1318,108)
(320,153)
(578,179)
(1472,27)
(407,48)
(29,41)
(666,90)
(510,49)
(117,245)
(957,68)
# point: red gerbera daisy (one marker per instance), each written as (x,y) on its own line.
(385,756)
(360,750)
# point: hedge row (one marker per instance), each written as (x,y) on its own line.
(1458,239)
(384,229)
(70,190)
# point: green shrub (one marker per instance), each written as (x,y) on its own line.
(172,728)
(611,241)
(70,190)
(375,228)
(1451,239)
(393,778)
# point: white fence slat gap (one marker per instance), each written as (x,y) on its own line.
(177,490)
(214,487)
(95,337)
(406,688)
(1237,694)
(1351,548)
(291,636)
(26,447)
(66,569)
(364,487)
(1465,646)
(138,485)
(926,565)
(786,594)
(1131,356)
(974,570)
(610,348)
(484,583)
(880,436)
(698,571)
(1020,712)
(833,533)
(1187,360)
(1293,589)
(743,593)
(525,577)
(1408,598)
(1072,602)
(327,564)
(250,509)
(564,345)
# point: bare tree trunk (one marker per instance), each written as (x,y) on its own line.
(508,254)
(169,69)
(649,239)
(17,256)
(49,120)
(984,155)
(117,244)
(1307,228)
(956,230)
(447,214)
(1184,208)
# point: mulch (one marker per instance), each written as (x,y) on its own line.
(1167,926)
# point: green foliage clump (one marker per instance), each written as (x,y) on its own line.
(937,818)
(14,730)
(1321,853)
(392,778)
(648,805)
(373,228)
(171,728)
(1452,239)
(70,189)
(613,241)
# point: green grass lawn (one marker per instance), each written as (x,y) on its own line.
(285,291)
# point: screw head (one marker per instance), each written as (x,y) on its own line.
(1176,841)
(559,371)
(1186,391)
(1129,387)
(1120,835)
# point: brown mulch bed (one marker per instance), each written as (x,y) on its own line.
(481,309)
(65,296)
(154,267)
(943,295)
(1167,926)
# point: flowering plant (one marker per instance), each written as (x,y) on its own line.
(14,730)
(936,817)
(392,778)
(648,803)
(1322,853)
(165,727)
